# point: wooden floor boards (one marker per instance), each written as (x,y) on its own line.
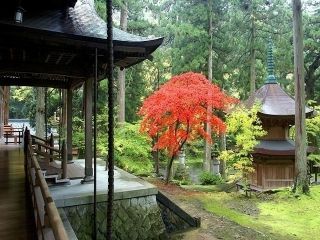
(16,220)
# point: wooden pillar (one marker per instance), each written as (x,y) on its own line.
(40,112)
(1,112)
(51,144)
(6,96)
(64,160)
(88,91)
(69,125)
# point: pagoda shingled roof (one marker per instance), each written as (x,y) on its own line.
(274,101)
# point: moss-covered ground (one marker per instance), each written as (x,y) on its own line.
(279,215)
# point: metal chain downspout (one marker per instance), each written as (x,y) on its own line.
(110,121)
(95,145)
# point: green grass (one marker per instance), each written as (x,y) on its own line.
(281,217)
(207,188)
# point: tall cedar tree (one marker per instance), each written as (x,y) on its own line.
(177,112)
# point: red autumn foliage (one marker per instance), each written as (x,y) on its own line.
(177,112)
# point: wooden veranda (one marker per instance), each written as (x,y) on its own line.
(16,221)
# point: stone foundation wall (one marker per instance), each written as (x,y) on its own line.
(172,221)
(174,217)
(135,218)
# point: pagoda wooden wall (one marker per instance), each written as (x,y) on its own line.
(276,133)
(270,174)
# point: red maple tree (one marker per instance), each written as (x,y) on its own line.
(177,112)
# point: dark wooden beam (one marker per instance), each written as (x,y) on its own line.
(42,68)
(23,55)
(70,59)
(59,58)
(33,82)
(47,58)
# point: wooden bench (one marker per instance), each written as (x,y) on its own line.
(9,132)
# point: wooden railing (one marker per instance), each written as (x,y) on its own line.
(46,149)
(47,219)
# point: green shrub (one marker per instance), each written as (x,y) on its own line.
(132,150)
(207,178)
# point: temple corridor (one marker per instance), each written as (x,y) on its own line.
(16,220)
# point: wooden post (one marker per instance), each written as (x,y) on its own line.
(6,96)
(88,91)
(122,72)
(39,148)
(40,112)
(1,112)
(29,145)
(301,168)
(51,144)
(64,160)
(25,150)
(69,124)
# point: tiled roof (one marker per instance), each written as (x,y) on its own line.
(81,22)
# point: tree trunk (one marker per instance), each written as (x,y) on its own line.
(155,153)
(40,125)
(301,183)
(253,75)
(155,156)
(207,157)
(169,167)
(223,147)
(122,73)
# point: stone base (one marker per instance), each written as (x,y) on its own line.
(136,214)
(135,219)
(87,179)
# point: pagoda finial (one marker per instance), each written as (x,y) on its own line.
(270,64)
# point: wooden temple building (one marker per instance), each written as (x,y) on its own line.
(62,44)
(274,156)
(59,44)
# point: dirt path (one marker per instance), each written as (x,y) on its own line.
(212,226)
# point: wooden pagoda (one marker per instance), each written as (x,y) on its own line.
(274,156)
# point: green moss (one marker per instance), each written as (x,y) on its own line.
(281,215)
(298,216)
